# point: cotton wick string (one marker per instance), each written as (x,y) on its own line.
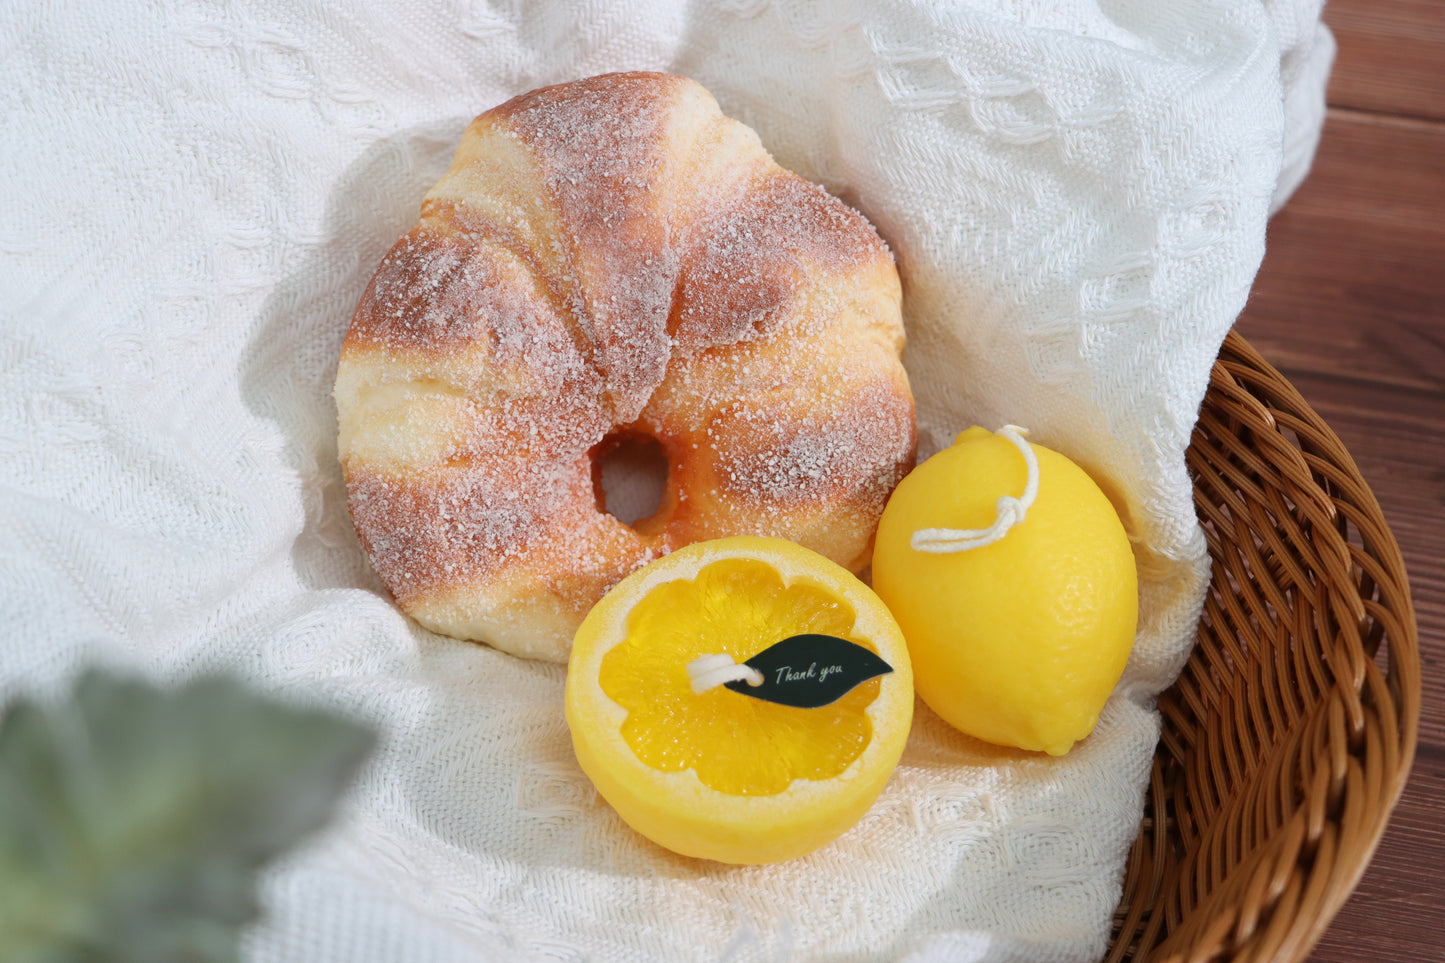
(1010,511)
(710,671)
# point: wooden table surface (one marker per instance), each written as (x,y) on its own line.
(1350,306)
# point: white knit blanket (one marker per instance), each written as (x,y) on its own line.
(195,194)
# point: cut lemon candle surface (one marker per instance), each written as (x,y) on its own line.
(721,774)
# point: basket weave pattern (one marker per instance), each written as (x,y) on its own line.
(1289,735)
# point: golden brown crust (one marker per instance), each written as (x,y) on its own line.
(606,257)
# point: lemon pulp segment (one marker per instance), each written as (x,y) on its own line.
(736,744)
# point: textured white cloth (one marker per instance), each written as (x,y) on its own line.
(194,197)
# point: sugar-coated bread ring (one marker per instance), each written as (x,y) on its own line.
(607,258)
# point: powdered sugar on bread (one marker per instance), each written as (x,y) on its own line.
(614,256)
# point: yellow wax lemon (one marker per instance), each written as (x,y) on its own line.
(717,773)
(1018,629)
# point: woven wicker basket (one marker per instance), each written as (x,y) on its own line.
(1290,733)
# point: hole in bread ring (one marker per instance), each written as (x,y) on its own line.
(629,476)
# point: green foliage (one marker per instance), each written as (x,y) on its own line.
(133,820)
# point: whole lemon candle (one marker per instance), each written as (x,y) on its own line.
(1013,580)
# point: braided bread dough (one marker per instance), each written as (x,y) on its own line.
(607,258)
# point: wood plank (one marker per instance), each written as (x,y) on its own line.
(1390,53)
(1353,281)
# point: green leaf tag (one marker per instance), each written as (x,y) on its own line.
(810,671)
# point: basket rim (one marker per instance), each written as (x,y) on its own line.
(1180,902)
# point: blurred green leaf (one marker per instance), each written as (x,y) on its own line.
(133,819)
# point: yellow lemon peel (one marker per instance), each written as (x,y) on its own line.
(1017,639)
